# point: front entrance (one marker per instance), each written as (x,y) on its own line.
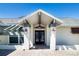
(39,37)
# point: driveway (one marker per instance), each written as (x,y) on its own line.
(5,52)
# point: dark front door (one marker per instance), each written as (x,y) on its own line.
(39,37)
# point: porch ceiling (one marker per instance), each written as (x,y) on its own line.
(40,17)
(44,19)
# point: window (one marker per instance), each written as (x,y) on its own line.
(21,40)
(75,30)
(13,40)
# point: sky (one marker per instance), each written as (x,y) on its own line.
(60,10)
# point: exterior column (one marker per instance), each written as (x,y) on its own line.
(26,44)
(52,38)
(31,37)
(48,36)
(18,39)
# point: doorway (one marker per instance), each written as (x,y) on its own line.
(39,37)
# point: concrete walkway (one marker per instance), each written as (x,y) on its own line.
(44,52)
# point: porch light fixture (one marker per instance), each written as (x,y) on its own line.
(25,29)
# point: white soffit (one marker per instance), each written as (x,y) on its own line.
(30,15)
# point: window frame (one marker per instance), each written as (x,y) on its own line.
(13,42)
(75,30)
(19,41)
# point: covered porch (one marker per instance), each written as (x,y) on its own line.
(39,27)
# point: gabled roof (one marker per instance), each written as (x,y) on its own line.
(40,10)
(66,21)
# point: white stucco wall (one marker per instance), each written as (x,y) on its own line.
(65,37)
(4,39)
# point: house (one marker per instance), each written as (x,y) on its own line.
(38,28)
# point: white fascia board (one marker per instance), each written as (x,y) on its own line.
(28,16)
(8,27)
(18,27)
(13,27)
(51,16)
(16,33)
(10,33)
(40,10)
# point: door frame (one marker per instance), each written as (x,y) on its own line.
(39,40)
(34,34)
